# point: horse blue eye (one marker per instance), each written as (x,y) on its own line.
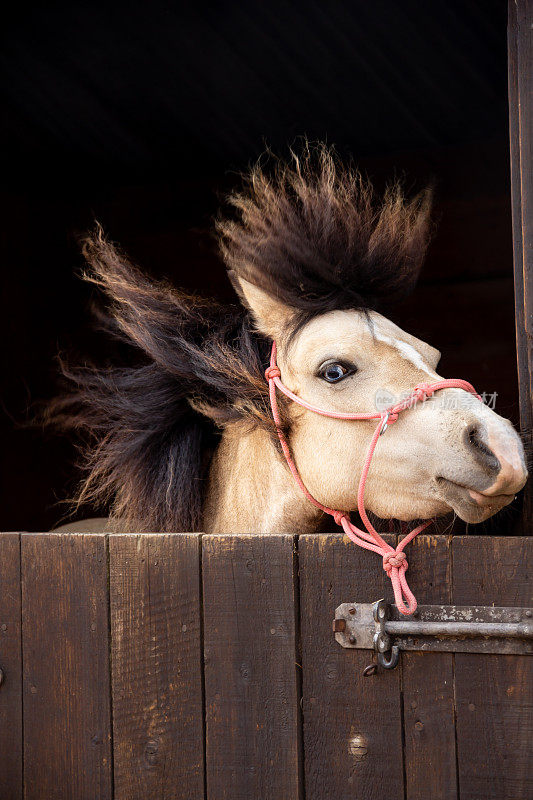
(334,373)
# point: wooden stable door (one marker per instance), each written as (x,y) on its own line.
(189,666)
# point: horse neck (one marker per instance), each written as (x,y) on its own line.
(250,489)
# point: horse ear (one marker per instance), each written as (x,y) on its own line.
(272,317)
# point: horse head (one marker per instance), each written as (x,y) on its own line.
(312,255)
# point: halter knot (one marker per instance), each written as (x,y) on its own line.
(397,559)
(423,390)
(338,516)
(272,372)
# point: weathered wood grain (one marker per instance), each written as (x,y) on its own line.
(67,747)
(11,666)
(428,684)
(251,674)
(352,724)
(156,666)
(494,693)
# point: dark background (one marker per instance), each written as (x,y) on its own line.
(141,115)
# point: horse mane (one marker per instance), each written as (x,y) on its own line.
(148,429)
(312,235)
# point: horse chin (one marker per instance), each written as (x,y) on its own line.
(413,511)
(469,505)
(442,499)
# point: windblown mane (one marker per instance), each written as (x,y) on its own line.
(312,235)
(148,429)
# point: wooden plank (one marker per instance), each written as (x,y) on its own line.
(494,693)
(11,666)
(67,731)
(352,724)
(156,666)
(428,684)
(520,74)
(251,674)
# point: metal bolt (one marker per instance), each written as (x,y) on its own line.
(358,746)
(419,726)
(151,749)
(352,611)
(528,613)
(352,639)
(383,642)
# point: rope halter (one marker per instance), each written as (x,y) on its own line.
(394,559)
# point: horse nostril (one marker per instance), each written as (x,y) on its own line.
(475,439)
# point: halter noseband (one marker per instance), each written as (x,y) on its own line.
(394,559)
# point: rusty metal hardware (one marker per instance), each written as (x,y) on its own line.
(460,629)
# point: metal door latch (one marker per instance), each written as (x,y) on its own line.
(460,629)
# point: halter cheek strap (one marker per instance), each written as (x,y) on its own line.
(394,559)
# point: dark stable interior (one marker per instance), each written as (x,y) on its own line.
(140,117)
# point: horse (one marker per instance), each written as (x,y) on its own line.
(185,439)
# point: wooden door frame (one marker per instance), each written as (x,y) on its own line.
(520,76)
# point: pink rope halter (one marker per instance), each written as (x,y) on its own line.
(394,559)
